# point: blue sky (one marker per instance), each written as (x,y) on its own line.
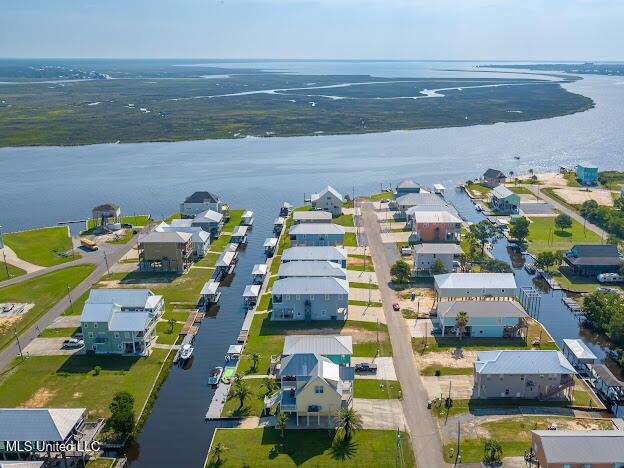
(367,29)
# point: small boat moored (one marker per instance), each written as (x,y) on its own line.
(215,376)
(530,268)
(186,351)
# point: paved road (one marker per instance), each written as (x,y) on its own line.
(571,213)
(422,426)
(113,255)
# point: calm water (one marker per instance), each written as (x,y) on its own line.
(41,186)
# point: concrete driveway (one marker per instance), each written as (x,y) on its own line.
(461,386)
(420,328)
(394,237)
(355,276)
(380,414)
(385,368)
(49,347)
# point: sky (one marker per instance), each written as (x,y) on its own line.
(529,30)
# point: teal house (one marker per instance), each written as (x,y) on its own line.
(486,319)
(336,348)
(407,186)
(587,173)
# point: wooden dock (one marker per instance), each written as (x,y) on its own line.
(218,401)
(189,327)
(244,332)
(574,306)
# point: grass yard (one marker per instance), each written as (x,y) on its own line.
(376,389)
(264,303)
(253,406)
(236,217)
(350,239)
(571,179)
(166,334)
(344,220)
(13,271)
(569,281)
(209,260)
(471,406)
(68,382)
(43,291)
(178,315)
(514,435)
(365,303)
(369,267)
(478,190)
(218,245)
(275,264)
(77,304)
(363,285)
(519,190)
(311,448)
(544,236)
(382,195)
(431,371)
(266,337)
(101,462)
(42,246)
(59,332)
(135,220)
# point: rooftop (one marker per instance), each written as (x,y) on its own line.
(575,447)
(493,174)
(475,281)
(311,286)
(202,197)
(522,362)
(318,344)
(251,290)
(106,207)
(328,189)
(579,349)
(442,248)
(260,269)
(175,237)
(38,424)
(407,184)
(197,233)
(589,254)
(312,215)
(311,269)
(414,199)
(438,216)
(481,309)
(314,253)
(316,228)
(225,259)
(210,287)
(208,216)
(500,191)
(131,298)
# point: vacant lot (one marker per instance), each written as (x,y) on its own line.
(45,247)
(577,196)
(545,236)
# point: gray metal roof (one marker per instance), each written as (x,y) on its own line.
(186,222)
(311,269)
(313,215)
(137,298)
(166,237)
(437,216)
(98,312)
(589,254)
(481,309)
(311,286)
(315,365)
(128,321)
(500,192)
(38,424)
(328,189)
(260,269)
(251,290)
(407,183)
(316,228)
(314,253)
(579,349)
(575,447)
(210,287)
(202,197)
(522,362)
(208,216)
(21,463)
(605,374)
(493,174)
(475,281)
(199,235)
(270,242)
(240,231)
(225,259)
(448,248)
(415,199)
(320,344)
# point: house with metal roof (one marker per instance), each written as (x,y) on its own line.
(210,221)
(593,259)
(434,226)
(486,319)
(504,200)
(426,254)
(587,173)
(311,269)
(129,300)
(577,449)
(540,374)
(609,387)
(209,293)
(200,201)
(328,199)
(310,299)
(259,272)
(409,200)
(300,217)
(200,238)
(316,234)
(493,177)
(336,348)
(331,254)
(451,286)
(312,386)
(225,263)
(578,354)
(42,426)
(239,234)
(407,186)
(166,251)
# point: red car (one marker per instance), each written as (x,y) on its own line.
(396,306)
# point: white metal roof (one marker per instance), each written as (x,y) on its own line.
(130,298)
(575,447)
(247,214)
(311,269)
(500,191)
(270,242)
(522,362)
(314,253)
(481,309)
(251,290)
(260,269)
(475,281)
(328,189)
(441,248)
(208,216)
(225,259)
(313,215)
(128,321)
(155,237)
(209,288)
(240,231)
(38,424)
(316,228)
(318,344)
(311,286)
(579,349)
(438,216)
(185,222)
(199,235)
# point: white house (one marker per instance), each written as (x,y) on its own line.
(425,255)
(200,238)
(201,201)
(451,286)
(328,199)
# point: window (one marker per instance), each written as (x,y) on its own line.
(127,334)
(116,335)
(90,334)
(327,297)
(506,392)
(586,465)
(85,325)
(323,313)
(95,325)
(118,346)
(318,389)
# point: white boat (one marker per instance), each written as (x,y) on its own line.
(215,375)
(186,351)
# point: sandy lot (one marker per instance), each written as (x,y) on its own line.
(366,314)
(577,196)
(460,385)
(423,302)
(361,294)
(380,414)
(355,276)
(402,236)
(447,358)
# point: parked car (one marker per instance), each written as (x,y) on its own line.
(126,225)
(385,200)
(436,331)
(396,306)
(366,367)
(73,343)
(610,278)
(406,250)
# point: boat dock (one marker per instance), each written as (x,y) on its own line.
(218,401)
(188,339)
(242,336)
(574,306)
(189,327)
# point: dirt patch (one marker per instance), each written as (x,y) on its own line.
(577,196)
(424,296)
(447,358)
(553,179)
(77,395)
(358,261)
(40,399)
(359,335)
(7,322)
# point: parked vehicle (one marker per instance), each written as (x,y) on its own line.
(385,200)
(406,251)
(88,244)
(396,306)
(73,343)
(610,278)
(126,225)
(366,367)
(608,291)
(530,268)
(215,375)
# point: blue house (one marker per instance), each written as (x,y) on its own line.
(316,234)
(587,173)
(407,186)
(310,299)
(504,200)
(486,319)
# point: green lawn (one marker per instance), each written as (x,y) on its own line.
(59,332)
(271,281)
(253,406)
(311,448)
(43,291)
(519,190)
(265,302)
(376,389)
(178,316)
(266,337)
(101,462)
(365,303)
(13,271)
(350,239)
(569,281)
(363,285)
(382,195)
(77,304)
(166,334)
(571,180)
(431,370)
(219,244)
(479,190)
(344,220)
(68,382)
(236,217)
(209,260)
(135,220)
(275,264)
(544,236)
(42,246)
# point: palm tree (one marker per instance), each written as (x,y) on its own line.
(281,423)
(217,451)
(241,391)
(461,322)
(349,420)
(255,358)
(171,324)
(492,450)
(511,173)
(269,384)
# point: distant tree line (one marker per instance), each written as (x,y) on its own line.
(609,219)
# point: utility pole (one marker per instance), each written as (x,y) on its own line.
(19,346)
(396,454)
(106,261)
(458,439)
(369,290)
(377,337)
(71,305)
(6,265)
